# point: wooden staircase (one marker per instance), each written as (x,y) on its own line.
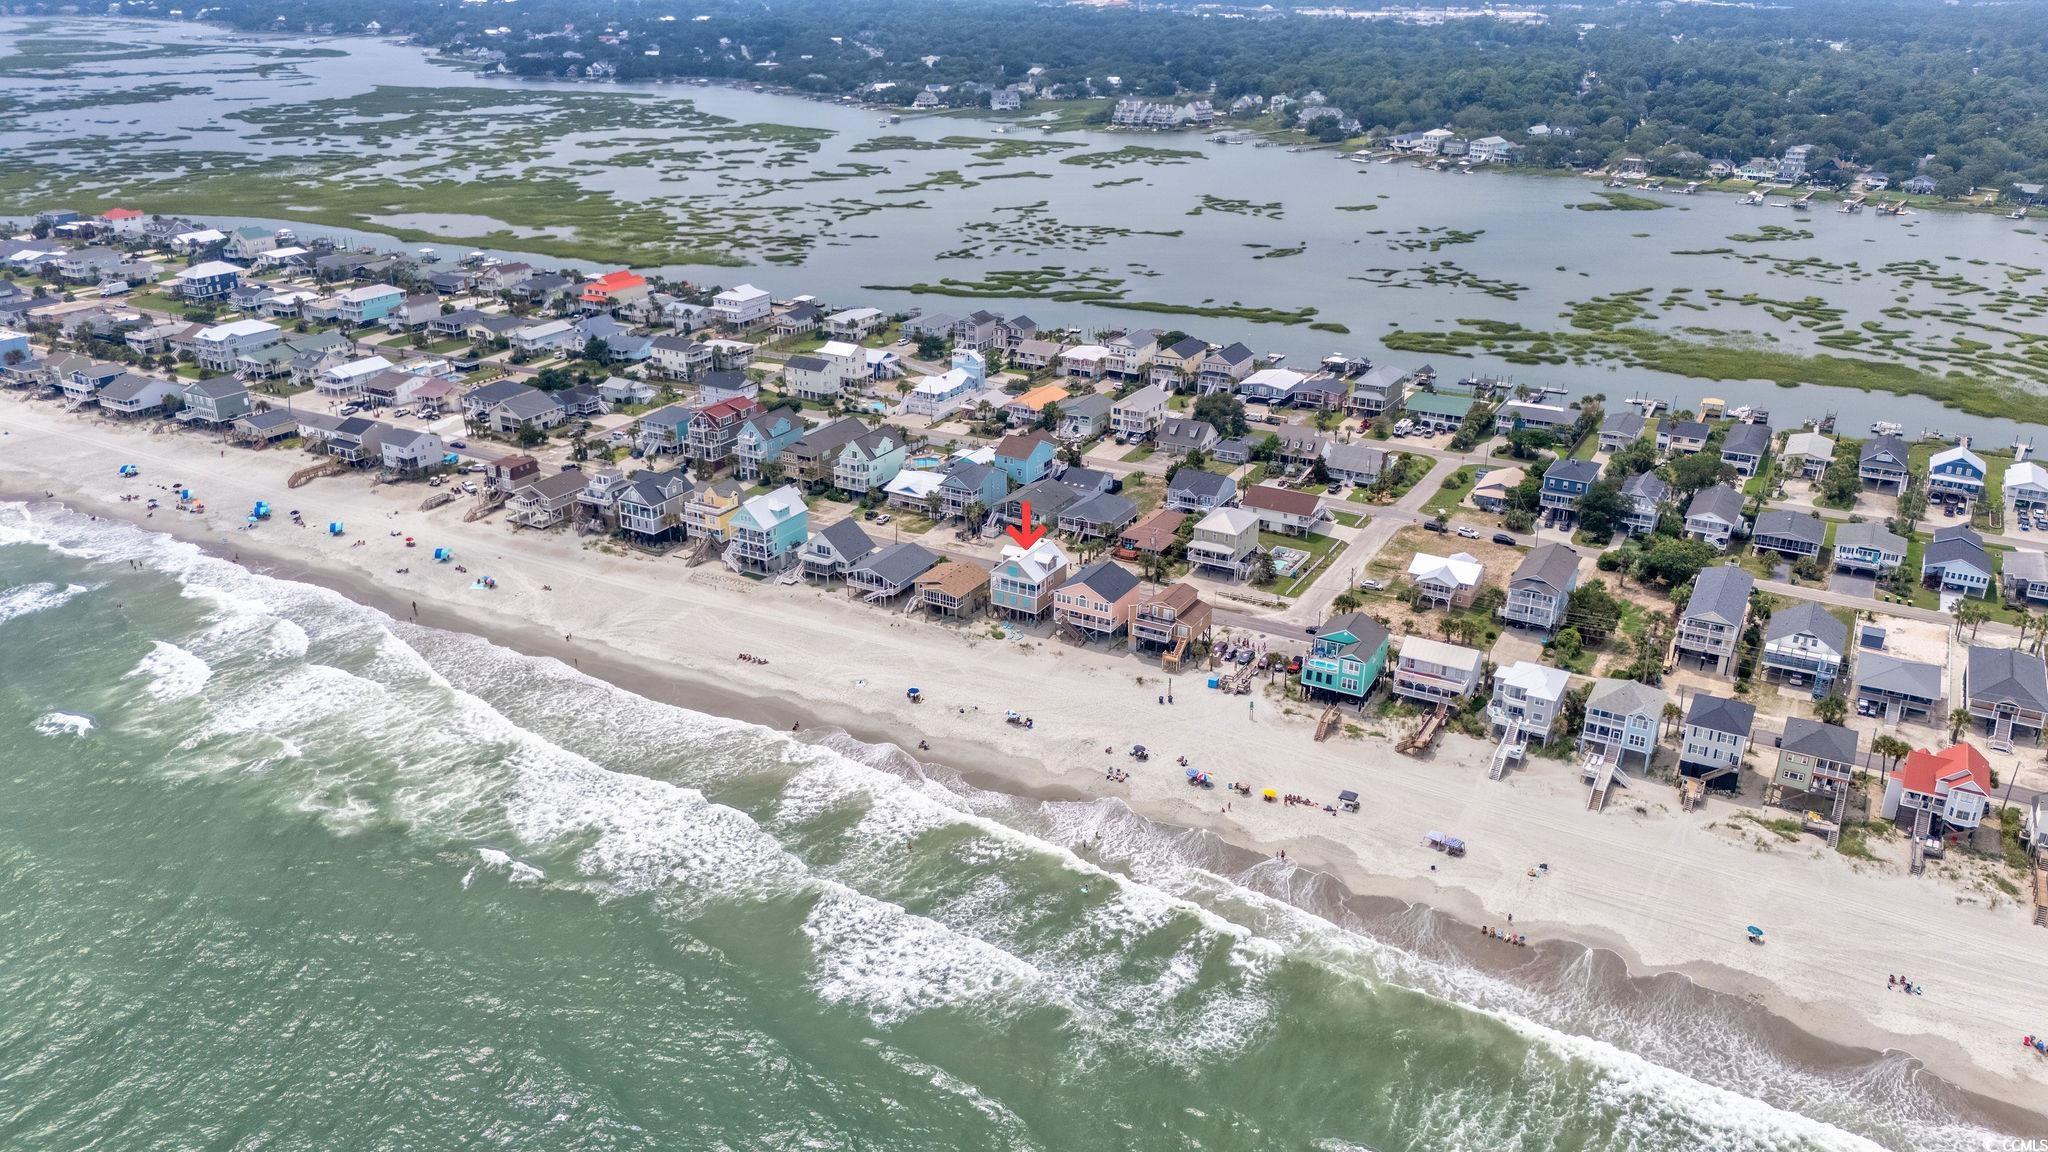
(436,500)
(1600,778)
(1510,749)
(1425,733)
(1836,812)
(312,472)
(2041,889)
(487,503)
(1170,661)
(1327,723)
(1922,823)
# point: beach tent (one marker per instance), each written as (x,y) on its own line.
(442,555)
(130,470)
(334,528)
(261,511)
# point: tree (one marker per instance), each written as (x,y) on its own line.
(1527,443)
(1594,612)
(1568,644)
(1700,470)
(1262,568)
(529,436)
(1048,417)
(1224,412)
(931,346)
(1831,708)
(597,351)
(1892,749)
(1841,483)
(1972,614)
(1602,508)
(1958,722)
(1634,459)
(1673,562)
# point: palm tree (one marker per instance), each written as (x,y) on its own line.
(1958,720)
(1892,749)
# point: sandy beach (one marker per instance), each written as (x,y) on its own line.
(1667,891)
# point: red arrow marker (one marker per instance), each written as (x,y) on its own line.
(1030,533)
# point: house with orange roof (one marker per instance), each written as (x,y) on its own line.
(1952,786)
(1026,409)
(615,289)
(123,221)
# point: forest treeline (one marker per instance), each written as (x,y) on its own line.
(1881,83)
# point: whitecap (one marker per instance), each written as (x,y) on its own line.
(891,964)
(63,724)
(27,599)
(501,861)
(173,673)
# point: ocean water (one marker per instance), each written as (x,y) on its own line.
(279,872)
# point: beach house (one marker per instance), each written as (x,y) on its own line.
(953,588)
(1882,463)
(869,461)
(1196,490)
(2025,575)
(971,485)
(889,571)
(936,397)
(1523,414)
(1137,416)
(1897,689)
(1622,720)
(2026,485)
(761,439)
(1713,740)
(1526,700)
(1745,446)
(1644,496)
(1807,455)
(768,531)
(708,511)
(1713,515)
(1491,490)
(1805,645)
(1541,588)
(650,506)
(134,394)
(545,501)
(1951,787)
(1432,672)
(1360,465)
(712,434)
(219,347)
(1565,483)
(1453,580)
(812,456)
(1028,409)
(1169,620)
(1100,516)
(1378,391)
(1178,437)
(1225,542)
(1868,548)
(1814,759)
(741,306)
(1178,364)
(1023,581)
(825,373)
(1956,473)
(1956,561)
(206,282)
(1621,429)
(1025,457)
(368,304)
(1798,535)
(1285,510)
(2006,692)
(1223,368)
(834,549)
(215,401)
(1096,602)
(1083,417)
(1347,656)
(1682,437)
(1710,628)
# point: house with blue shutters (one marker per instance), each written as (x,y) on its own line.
(1956,472)
(1348,658)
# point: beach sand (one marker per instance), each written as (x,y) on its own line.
(1666,891)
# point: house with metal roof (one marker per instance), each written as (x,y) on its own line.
(2006,691)
(890,571)
(1869,548)
(1805,644)
(1622,720)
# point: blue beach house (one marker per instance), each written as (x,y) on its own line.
(1349,655)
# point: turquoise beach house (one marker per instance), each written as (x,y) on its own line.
(1350,654)
(767,531)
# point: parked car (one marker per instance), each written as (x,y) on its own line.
(1468,532)
(1504,538)
(1375,585)
(458,443)
(1433,526)
(883,518)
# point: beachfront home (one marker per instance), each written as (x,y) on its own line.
(1023,582)
(741,306)
(1745,446)
(768,531)
(1622,720)
(1956,472)
(1226,542)
(545,501)
(1433,672)
(1645,496)
(1814,759)
(1196,490)
(1541,587)
(133,394)
(1952,786)
(708,511)
(835,549)
(650,506)
(1526,700)
(1711,625)
(1713,740)
(1807,455)
(1805,644)
(1347,657)
(2025,576)
(2006,691)
(889,571)
(215,401)
(1025,457)
(1897,689)
(1795,534)
(953,588)
(1565,483)
(1285,510)
(1621,429)
(1868,548)
(1453,580)
(1957,561)
(1713,515)
(1171,620)
(1882,463)
(1097,601)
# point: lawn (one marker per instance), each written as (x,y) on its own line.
(1141,452)
(1452,492)
(1350,519)
(451,344)
(1316,545)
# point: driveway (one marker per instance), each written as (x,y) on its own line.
(1852,584)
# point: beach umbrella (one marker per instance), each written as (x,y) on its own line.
(1755,931)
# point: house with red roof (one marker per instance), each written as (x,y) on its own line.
(1952,786)
(615,289)
(123,221)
